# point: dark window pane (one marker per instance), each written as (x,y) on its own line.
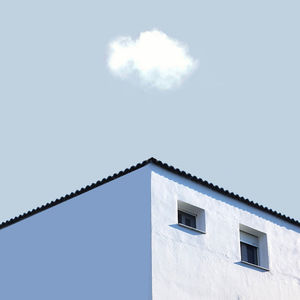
(244,252)
(186,219)
(179,217)
(249,253)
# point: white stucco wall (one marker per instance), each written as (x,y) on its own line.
(94,246)
(187,265)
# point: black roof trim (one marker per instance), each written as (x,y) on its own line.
(136,167)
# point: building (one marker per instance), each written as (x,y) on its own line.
(150,232)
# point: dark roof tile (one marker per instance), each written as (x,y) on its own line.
(136,167)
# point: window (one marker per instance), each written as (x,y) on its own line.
(186,219)
(249,248)
(190,216)
(254,248)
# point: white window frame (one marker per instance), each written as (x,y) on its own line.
(257,239)
(193,210)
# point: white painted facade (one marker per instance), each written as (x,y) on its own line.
(192,266)
(122,240)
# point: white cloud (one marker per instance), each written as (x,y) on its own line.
(158,60)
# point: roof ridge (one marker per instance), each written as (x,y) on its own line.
(134,168)
(72,195)
(225,192)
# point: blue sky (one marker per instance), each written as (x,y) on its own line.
(67,121)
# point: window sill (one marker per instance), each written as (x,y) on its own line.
(192,228)
(255,266)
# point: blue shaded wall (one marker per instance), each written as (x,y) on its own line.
(94,246)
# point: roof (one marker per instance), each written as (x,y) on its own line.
(136,167)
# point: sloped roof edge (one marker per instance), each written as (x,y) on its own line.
(136,167)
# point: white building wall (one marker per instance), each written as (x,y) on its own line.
(187,265)
(94,246)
